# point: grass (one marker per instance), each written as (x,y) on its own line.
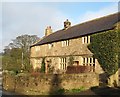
(77,90)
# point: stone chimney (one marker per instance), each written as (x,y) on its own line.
(48,31)
(67,24)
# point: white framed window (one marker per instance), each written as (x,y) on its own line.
(65,43)
(38,63)
(37,48)
(86,39)
(88,61)
(50,45)
(63,63)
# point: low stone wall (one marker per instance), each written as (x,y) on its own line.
(114,80)
(48,83)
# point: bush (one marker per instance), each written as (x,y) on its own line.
(77,90)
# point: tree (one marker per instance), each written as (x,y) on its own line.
(24,42)
(12,60)
(18,52)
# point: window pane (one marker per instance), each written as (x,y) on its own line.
(90,60)
(93,60)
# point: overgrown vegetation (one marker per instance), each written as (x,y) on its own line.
(106,48)
(16,54)
(43,65)
(71,60)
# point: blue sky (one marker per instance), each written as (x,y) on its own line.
(19,18)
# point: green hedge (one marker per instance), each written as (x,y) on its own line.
(43,66)
(106,48)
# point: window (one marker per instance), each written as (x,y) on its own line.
(37,48)
(65,43)
(88,61)
(83,61)
(86,39)
(37,63)
(50,45)
(63,64)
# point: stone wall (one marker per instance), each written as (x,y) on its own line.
(48,83)
(77,49)
(114,80)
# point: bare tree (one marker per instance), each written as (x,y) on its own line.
(22,43)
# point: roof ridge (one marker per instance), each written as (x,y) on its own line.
(93,19)
(89,27)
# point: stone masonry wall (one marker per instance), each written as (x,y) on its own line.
(76,47)
(48,83)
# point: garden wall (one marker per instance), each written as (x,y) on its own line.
(48,83)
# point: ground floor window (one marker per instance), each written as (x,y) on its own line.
(89,61)
(37,63)
(63,63)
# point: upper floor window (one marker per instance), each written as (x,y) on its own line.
(65,43)
(37,48)
(86,39)
(50,45)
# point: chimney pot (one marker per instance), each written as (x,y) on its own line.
(67,24)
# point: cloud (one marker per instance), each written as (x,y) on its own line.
(29,18)
(33,17)
(60,0)
(90,15)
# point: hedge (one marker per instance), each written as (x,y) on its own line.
(106,48)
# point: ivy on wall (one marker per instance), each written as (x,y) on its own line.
(106,48)
(71,60)
(43,65)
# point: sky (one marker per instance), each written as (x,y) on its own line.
(20,18)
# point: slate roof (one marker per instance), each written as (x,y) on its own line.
(94,26)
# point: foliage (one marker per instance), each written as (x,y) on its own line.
(77,90)
(119,48)
(43,65)
(71,60)
(16,54)
(24,42)
(59,91)
(12,60)
(105,47)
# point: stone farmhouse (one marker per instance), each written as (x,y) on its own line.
(68,46)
